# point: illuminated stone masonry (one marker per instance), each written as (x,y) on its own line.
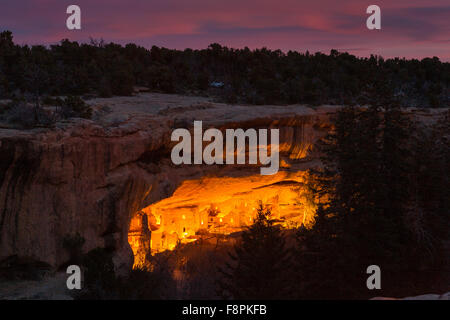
(210,206)
(220,200)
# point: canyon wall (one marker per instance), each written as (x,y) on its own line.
(94,177)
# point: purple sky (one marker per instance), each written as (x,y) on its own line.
(410,28)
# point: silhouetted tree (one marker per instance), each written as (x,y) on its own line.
(259,76)
(368,180)
(259,266)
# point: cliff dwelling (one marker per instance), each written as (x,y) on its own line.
(211,206)
(113,180)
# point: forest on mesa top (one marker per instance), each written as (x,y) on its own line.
(260,76)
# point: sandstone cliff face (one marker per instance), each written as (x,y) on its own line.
(92,177)
(59,182)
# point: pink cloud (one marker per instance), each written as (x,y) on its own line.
(415,28)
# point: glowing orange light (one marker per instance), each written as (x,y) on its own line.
(168,219)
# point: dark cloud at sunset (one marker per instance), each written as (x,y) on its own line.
(412,29)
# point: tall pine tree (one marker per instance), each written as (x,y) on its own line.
(259,267)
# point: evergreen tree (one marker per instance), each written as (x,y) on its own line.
(367,182)
(259,266)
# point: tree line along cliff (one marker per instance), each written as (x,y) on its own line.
(259,76)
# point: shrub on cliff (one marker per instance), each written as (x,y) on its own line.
(27,112)
(74,106)
(20,113)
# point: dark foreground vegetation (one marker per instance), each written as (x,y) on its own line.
(259,76)
(383,199)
